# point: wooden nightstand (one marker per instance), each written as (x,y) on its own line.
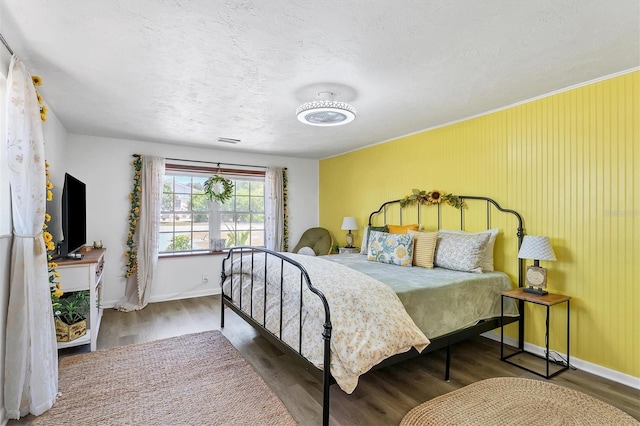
(547,300)
(345,250)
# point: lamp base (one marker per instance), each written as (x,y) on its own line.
(349,240)
(535,290)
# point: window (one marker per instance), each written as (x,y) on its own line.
(242,217)
(189,222)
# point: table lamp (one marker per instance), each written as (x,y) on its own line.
(536,248)
(349,223)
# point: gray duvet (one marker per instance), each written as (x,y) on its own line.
(439,300)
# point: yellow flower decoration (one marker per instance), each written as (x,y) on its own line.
(433,197)
(54,286)
(37,81)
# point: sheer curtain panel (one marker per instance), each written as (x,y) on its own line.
(274,209)
(138,286)
(31,357)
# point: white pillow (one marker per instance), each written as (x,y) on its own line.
(365,240)
(307,251)
(487,257)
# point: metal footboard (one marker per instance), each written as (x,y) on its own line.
(247,257)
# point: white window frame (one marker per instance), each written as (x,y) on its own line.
(214,211)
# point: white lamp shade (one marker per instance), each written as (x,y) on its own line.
(537,248)
(349,223)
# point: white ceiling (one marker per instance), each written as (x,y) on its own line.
(188,72)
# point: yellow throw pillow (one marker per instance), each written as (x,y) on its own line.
(402,229)
(424,248)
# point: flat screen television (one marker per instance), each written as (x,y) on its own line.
(74,216)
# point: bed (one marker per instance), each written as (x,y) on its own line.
(305,305)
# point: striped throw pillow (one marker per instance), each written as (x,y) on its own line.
(424,248)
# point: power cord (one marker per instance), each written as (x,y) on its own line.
(558,359)
(553,355)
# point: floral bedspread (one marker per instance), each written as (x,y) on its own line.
(369,322)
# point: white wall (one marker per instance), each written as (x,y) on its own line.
(104,165)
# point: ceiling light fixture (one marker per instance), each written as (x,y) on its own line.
(325,111)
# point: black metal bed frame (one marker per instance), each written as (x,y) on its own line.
(445,341)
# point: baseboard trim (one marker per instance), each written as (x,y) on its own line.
(167,297)
(598,370)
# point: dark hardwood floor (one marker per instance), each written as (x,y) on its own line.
(382,397)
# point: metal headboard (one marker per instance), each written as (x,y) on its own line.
(489,202)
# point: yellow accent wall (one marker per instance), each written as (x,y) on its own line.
(570,164)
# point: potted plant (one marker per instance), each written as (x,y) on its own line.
(71,316)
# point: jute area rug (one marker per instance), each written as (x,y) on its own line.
(516,401)
(196,379)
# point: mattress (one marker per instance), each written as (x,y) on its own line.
(439,300)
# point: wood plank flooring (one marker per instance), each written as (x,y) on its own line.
(382,397)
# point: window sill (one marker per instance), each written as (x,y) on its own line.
(190,254)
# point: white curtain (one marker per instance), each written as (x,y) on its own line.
(274,209)
(138,286)
(31,357)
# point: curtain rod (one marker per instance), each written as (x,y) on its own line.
(6,44)
(210,162)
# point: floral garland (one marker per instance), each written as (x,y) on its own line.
(54,286)
(285,202)
(134,214)
(211,184)
(37,81)
(433,197)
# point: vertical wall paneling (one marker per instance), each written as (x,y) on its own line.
(569,163)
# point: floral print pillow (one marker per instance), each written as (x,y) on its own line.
(461,252)
(396,249)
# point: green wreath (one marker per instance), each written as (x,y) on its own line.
(227,189)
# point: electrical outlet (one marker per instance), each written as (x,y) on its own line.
(205,278)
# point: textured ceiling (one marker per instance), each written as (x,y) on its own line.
(188,72)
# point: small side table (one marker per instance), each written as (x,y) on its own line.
(345,250)
(547,300)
